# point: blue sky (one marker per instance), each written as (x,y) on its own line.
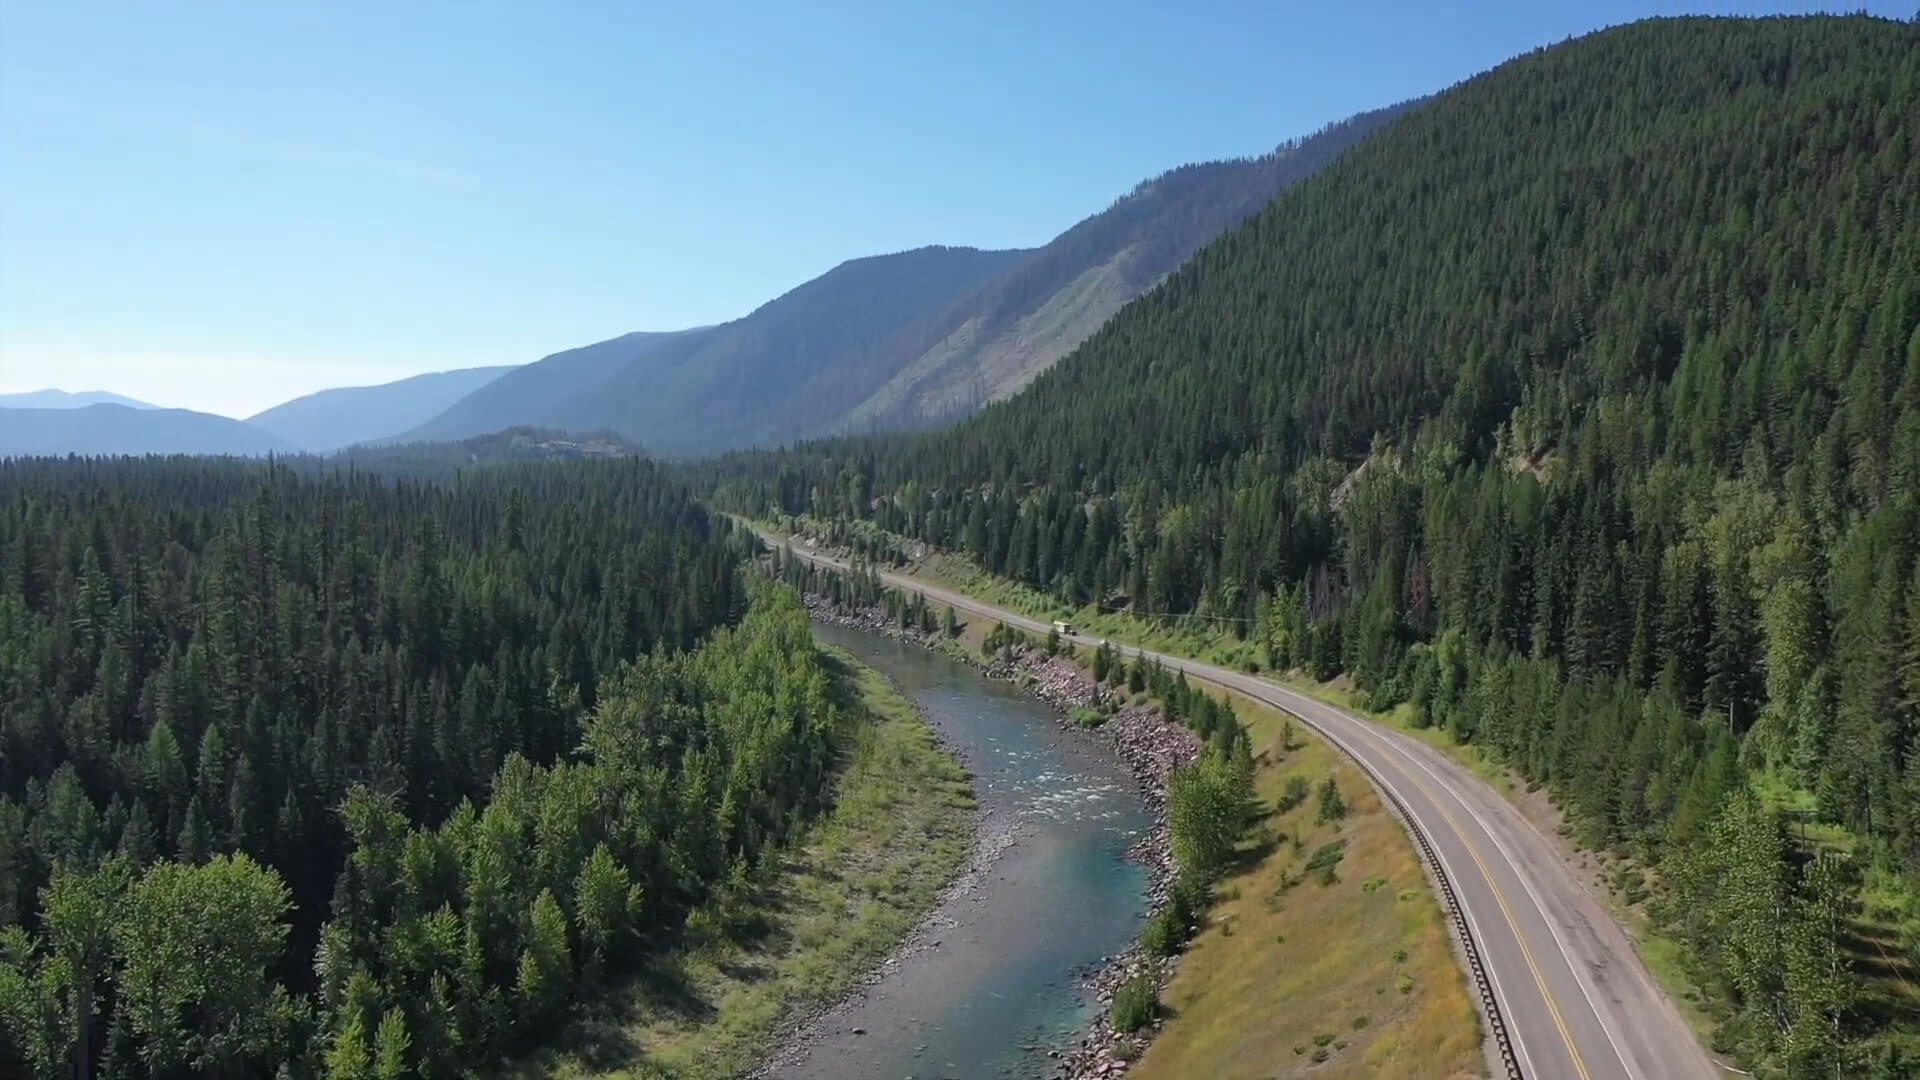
(220,206)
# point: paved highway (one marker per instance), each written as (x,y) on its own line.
(1577,1002)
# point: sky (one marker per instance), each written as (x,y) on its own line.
(221,206)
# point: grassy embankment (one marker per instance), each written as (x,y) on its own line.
(899,829)
(1349,977)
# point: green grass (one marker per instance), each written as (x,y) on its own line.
(899,829)
(1325,951)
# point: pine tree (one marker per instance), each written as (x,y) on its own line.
(1331,805)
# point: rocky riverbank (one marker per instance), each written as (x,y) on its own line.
(1143,739)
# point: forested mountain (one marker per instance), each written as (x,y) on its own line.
(528,395)
(791,366)
(118,429)
(63,399)
(785,370)
(331,419)
(441,460)
(1579,408)
(329,773)
(996,340)
(899,340)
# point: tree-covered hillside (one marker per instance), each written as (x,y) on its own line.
(527,395)
(109,428)
(1579,408)
(994,341)
(898,340)
(331,419)
(335,774)
(790,367)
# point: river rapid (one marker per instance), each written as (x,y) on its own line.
(991,980)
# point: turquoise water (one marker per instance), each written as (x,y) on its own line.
(1055,898)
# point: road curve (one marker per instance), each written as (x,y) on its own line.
(1577,1002)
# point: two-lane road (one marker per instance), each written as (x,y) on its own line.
(1576,1001)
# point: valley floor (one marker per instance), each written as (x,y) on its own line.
(1231,984)
(900,828)
(1353,978)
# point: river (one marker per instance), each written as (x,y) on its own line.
(1052,897)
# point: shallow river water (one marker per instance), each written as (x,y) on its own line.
(1054,897)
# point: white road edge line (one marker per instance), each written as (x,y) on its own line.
(1566,955)
(1506,1003)
(1459,892)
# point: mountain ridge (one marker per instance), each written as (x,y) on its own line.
(525,395)
(1001,337)
(901,339)
(53,398)
(337,417)
(113,430)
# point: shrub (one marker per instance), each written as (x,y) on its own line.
(1326,861)
(1135,1003)
(1164,934)
(1187,898)
(1088,718)
(1294,793)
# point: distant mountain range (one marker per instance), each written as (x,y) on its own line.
(54,422)
(877,343)
(332,419)
(61,399)
(521,397)
(101,430)
(898,340)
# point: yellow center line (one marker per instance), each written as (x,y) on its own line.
(1506,912)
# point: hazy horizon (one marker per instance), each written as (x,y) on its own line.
(223,210)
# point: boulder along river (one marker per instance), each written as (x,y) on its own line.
(990,982)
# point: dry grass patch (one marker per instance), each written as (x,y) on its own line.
(1290,976)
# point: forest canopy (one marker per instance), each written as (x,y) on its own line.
(332,773)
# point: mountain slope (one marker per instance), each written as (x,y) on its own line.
(528,394)
(62,399)
(331,419)
(793,365)
(997,340)
(96,430)
(1577,412)
(904,339)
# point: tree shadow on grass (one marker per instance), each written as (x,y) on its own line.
(600,1034)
